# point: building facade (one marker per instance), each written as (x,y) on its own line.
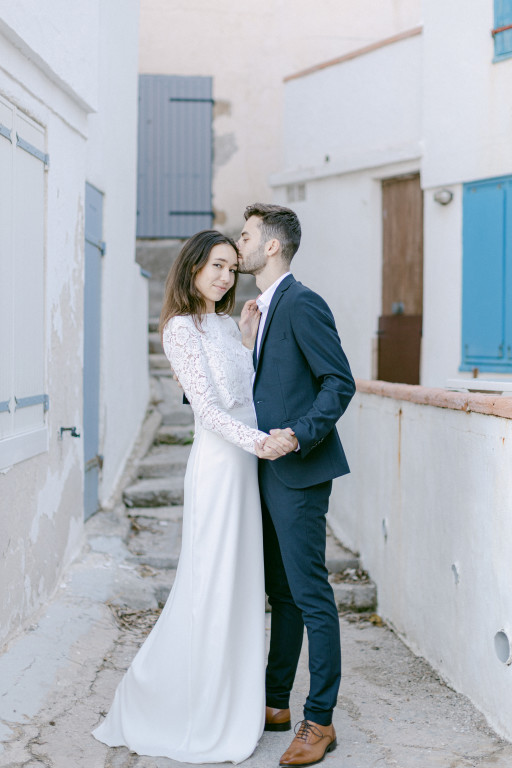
(246,52)
(73,302)
(398,161)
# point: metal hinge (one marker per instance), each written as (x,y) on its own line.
(196,100)
(96,461)
(99,244)
(22,144)
(26,402)
(190,213)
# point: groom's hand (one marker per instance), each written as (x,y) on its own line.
(286,438)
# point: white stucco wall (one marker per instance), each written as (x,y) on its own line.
(367,139)
(467,115)
(434,103)
(337,256)
(41,498)
(428,506)
(112,168)
(248,51)
(428,501)
(60,39)
(442,289)
(352,112)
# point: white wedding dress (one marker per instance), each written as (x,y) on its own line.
(195,690)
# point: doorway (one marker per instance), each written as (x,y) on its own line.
(400,324)
(94,250)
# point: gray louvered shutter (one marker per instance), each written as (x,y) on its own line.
(175,156)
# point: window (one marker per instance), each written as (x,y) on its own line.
(23,402)
(502,31)
(487,276)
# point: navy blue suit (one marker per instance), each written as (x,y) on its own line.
(303,381)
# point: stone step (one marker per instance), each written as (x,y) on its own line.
(338,562)
(156,543)
(173,411)
(173,417)
(155,391)
(171,514)
(174,435)
(154,492)
(163,462)
(159,362)
(356,597)
(154,343)
(337,557)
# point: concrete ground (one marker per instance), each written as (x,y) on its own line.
(57,679)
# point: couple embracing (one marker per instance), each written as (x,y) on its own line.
(253,519)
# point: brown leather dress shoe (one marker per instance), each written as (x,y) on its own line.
(310,745)
(277,719)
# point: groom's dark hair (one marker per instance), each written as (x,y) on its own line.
(280,223)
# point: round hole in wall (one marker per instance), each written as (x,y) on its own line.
(502,647)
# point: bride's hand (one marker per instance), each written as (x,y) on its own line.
(249,321)
(270,448)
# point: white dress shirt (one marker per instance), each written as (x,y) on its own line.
(263,303)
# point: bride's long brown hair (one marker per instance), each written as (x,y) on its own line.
(181,295)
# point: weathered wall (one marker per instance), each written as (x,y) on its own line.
(112,168)
(428,506)
(41,498)
(248,51)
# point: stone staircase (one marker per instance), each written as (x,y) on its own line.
(155,498)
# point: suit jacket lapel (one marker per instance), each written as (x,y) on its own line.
(276,298)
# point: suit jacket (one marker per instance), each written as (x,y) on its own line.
(303,381)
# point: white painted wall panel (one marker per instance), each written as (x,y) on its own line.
(41,499)
(61,38)
(467,110)
(6,265)
(366,105)
(437,482)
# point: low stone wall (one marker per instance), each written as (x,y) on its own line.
(429,507)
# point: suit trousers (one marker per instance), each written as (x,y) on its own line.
(294,536)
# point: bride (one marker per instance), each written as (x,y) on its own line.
(195,691)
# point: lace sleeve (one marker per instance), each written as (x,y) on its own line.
(183,348)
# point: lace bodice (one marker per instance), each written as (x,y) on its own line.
(215,371)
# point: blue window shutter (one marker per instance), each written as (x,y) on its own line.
(508,275)
(483,306)
(502,18)
(174,197)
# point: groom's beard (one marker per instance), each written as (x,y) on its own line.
(253,262)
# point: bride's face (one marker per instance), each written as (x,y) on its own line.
(217,276)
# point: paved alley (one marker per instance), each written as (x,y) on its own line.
(58,678)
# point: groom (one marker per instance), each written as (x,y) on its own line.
(303,384)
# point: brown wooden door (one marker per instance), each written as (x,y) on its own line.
(400,323)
